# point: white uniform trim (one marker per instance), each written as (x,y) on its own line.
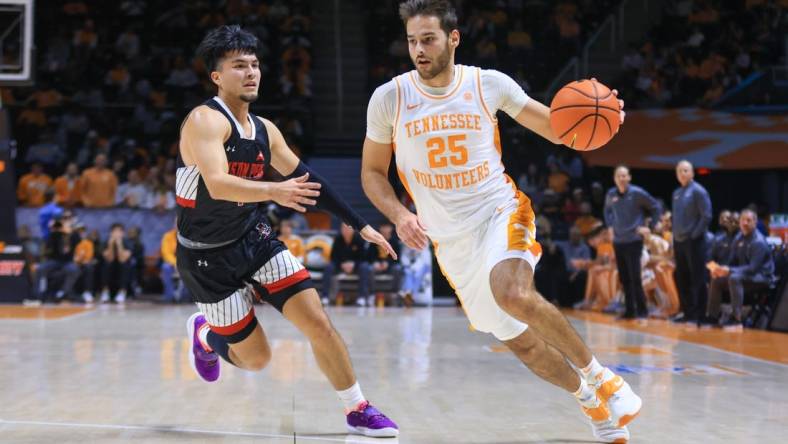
(229,310)
(238,125)
(281,266)
(500,92)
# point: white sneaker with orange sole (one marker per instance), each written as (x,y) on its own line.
(623,403)
(603,425)
(606,431)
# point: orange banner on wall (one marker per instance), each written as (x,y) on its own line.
(658,139)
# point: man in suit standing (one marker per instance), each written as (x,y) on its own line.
(691,217)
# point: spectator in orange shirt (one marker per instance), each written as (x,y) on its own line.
(586,222)
(84,257)
(294,242)
(32,117)
(86,36)
(558,180)
(67,187)
(32,186)
(98,185)
(169,243)
(602,283)
(46,97)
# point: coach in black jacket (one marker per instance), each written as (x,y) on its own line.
(348,256)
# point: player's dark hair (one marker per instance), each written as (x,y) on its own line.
(442,9)
(117,225)
(225,39)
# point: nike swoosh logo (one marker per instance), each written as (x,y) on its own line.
(414,106)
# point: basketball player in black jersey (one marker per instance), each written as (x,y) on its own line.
(227,252)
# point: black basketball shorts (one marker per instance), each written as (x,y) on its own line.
(226,281)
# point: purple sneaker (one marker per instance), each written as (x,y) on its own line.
(205,364)
(368,421)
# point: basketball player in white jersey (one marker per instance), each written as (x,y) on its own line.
(439,122)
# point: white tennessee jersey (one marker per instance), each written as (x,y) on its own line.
(446,145)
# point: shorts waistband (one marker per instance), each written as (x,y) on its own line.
(195,245)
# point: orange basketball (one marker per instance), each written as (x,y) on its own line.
(584,115)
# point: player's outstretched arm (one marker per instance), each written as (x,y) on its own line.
(536,117)
(375,162)
(202,140)
(289,165)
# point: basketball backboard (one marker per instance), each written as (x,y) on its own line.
(16,42)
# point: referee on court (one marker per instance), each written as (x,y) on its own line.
(691,217)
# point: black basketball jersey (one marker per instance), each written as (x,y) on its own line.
(206,220)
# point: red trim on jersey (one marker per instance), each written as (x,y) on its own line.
(232,329)
(289,281)
(188,203)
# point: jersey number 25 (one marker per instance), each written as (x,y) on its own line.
(439,158)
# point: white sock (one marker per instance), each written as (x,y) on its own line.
(202,335)
(351,397)
(586,395)
(592,370)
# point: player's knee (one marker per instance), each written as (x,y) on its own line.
(258,361)
(321,329)
(527,351)
(518,300)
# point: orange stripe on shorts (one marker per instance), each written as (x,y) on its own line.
(521,232)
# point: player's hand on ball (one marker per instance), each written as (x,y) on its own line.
(411,232)
(371,235)
(296,192)
(622,113)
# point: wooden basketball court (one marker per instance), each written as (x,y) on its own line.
(112,374)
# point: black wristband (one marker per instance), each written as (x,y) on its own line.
(329,200)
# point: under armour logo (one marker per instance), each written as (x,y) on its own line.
(230,149)
(201,263)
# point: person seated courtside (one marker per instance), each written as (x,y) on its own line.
(58,261)
(576,252)
(348,257)
(117,261)
(383,264)
(294,242)
(602,284)
(750,268)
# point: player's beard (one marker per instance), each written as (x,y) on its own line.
(249,98)
(438,65)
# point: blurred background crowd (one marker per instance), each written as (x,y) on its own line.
(97,136)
